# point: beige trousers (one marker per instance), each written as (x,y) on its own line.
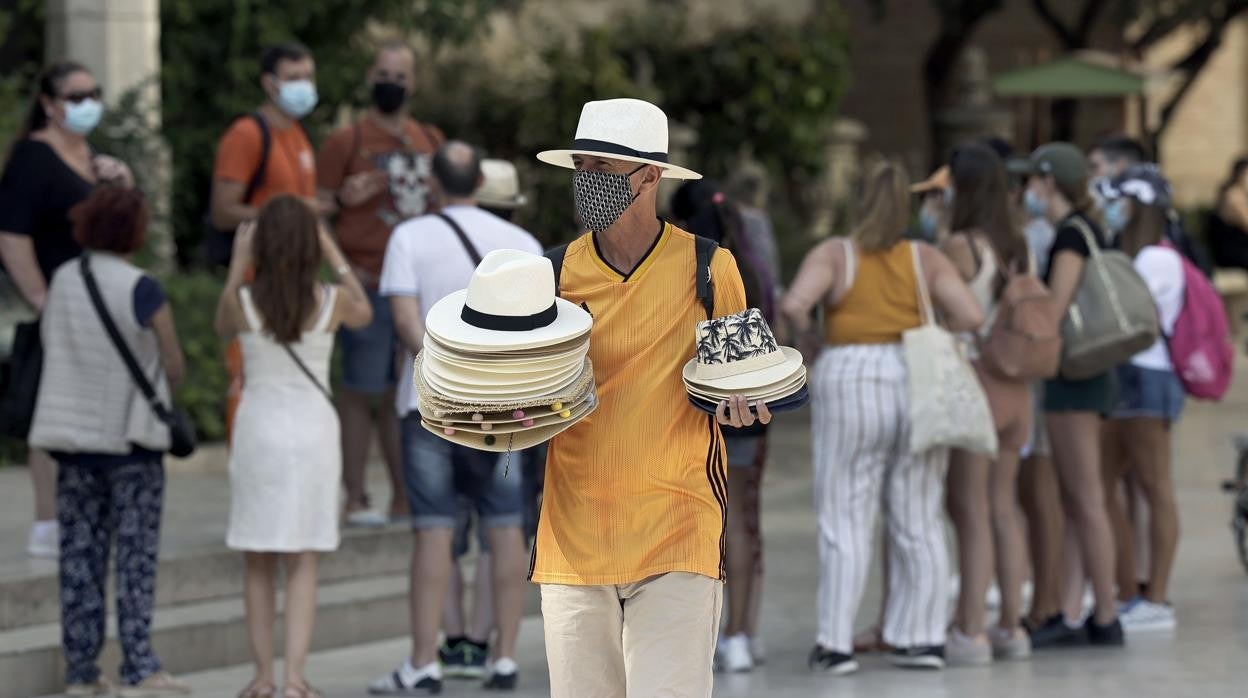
(651,639)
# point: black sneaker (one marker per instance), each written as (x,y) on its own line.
(1109,635)
(1056,633)
(464,659)
(502,676)
(929,657)
(829,662)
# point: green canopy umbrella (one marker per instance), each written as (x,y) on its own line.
(1069,77)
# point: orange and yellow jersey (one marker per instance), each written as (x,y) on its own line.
(639,487)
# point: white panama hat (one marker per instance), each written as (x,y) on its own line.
(510,303)
(632,130)
(501,186)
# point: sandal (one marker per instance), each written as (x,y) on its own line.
(162,683)
(256,689)
(305,691)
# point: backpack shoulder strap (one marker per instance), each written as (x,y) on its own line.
(556,255)
(463,238)
(266,143)
(704,249)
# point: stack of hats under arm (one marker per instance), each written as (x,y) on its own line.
(505,363)
(739,355)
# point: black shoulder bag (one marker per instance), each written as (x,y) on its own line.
(181,431)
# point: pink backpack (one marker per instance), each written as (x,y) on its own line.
(1200,347)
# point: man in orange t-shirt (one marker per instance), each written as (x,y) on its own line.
(374,174)
(288,77)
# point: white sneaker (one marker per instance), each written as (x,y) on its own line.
(1140,615)
(734,654)
(367,518)
(45,540)
(408,680)
(964,650)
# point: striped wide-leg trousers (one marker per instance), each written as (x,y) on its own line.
(861,429)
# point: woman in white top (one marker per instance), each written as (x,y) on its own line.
(1136,439)
(285,461)
(982,494)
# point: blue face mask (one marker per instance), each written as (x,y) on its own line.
(297,98)
(1034,205)
(929,224)
(1115,213)
(82,117)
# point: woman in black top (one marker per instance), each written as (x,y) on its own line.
(50,168)
(1058,189)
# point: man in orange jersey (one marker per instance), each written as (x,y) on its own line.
(630,542)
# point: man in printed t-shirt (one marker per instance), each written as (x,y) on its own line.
(374,173)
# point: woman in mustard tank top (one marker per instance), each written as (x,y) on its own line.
(860,419)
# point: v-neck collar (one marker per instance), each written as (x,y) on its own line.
(642,264)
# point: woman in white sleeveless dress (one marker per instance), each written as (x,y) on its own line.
(285,460)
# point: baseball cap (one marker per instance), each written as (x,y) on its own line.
(1064,161)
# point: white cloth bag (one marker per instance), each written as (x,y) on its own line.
(947,403)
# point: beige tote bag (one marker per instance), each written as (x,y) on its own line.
(947,404)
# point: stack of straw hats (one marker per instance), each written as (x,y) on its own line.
(505,363)
(739,355)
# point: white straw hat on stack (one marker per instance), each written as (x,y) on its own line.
(505,362)
(739,355)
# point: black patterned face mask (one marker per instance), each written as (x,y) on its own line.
(602,197)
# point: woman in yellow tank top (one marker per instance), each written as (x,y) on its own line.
(868,288)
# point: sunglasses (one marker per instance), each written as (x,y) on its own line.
(83,95)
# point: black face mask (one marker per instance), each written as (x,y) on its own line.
(389,96)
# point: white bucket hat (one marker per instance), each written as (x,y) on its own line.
(510,303)
(739,354)
(501,186)
(621,129)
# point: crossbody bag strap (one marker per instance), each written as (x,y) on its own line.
(266,144)
(463,239)
(1094,245)
(920,283)
(308,372)
(110,327)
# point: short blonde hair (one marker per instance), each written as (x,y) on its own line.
(884,209)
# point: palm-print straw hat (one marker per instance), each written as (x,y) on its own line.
(738,354)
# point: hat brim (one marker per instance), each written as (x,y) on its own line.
(750,380)
(563,158)
(527,360)
(525,372)
(505,204)
(455,384)
(540,415)
(771,392)
(575,412)
(516,441)
(446,326)
(1022,167)
(787,403)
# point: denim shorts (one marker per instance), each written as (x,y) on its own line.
(368,354)
(437,473)
(1148,392)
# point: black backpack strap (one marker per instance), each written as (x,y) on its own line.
(705,251)
(266,143)
(556,255)
(463,239)
(119,342)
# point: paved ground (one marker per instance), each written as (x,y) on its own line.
(1207,656)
